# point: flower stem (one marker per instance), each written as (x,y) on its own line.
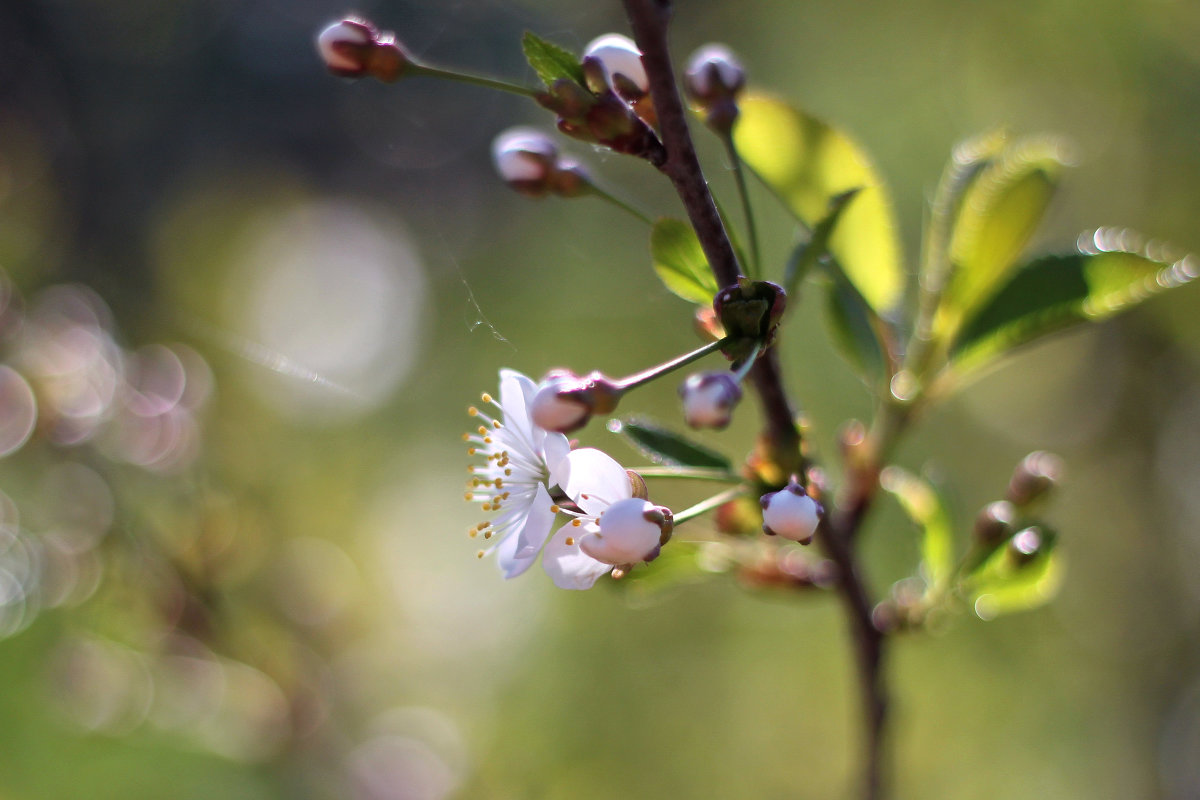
(739,175)
(609,197)
(467,77)
(704,506)
(637,379)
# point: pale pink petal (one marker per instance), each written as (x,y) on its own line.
(567,566)
(506,559)
(515,392)
(556,447)
(538,522)
(593,480)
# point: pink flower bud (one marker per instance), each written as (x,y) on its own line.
(791,513)
(565,401)
(352,48)
(526,159)
(713,73)
(619,56)
(709,399)
(631,530)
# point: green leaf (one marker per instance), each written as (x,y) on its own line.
(1115,270)
(679,261)
(855,328)
(808,254)
(663,446)
(1003,585)
(807,163)
(1000,210)
(550,61)
(924,507)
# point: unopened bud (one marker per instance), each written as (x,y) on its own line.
(713,80)
(709,399)
(353,48)
(1026,545)
(526,159)
(565,401)
(631,530)
(750,312)
(791,513)
(620,58)
(1037,473)
(994,523)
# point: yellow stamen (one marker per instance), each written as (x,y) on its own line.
(496,424)
(479,554)
(485,397)
(487,534)
(473,411)
(554,509)
(570,541)
(576,522)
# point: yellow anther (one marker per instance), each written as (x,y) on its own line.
(485,397)
(470,451)
(554,509)
(473,411)
(469,496)
(508,473)
(499,483)
(466,437)
(479,554)
(496,424)
(487,534)
(584,497)
(487,440)
(484,524)
(570,541)
(482,431)
(576,522)
(472,533)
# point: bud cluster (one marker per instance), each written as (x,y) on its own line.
(714,78)
(613,108)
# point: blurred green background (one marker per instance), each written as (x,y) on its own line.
(259,585)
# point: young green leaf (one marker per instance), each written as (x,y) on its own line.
(679,261)
(1003,584)
(808,254)
(550,61)
(807,163)
(663,446)
(924,507)
(856,328)
(1114,270)
(999,212)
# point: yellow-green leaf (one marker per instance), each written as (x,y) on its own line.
(807,163)
(999,213)
(924,507)
(679,261)
(1017,588)
(1114,270)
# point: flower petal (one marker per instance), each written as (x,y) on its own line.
(593,480)
(516,391)
(567,566)
(506,559)
(539,520)
(554,450)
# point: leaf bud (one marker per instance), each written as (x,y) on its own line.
(994,523)
(1036,475)
(622,63)
(749,311)
(1026,545)
(791,513)
(713,79)
(564,401)
(353,47)
(709,399)
(630,531)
